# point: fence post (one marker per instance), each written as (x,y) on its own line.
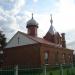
(72,67)
(61,69)
(44,69)
(16,68)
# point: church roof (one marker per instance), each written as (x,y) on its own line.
(32,22)
(51,29)
(39,40)
(36,39)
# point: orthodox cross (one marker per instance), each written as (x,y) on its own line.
(51,19)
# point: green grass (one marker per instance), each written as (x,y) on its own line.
(66,71)
(49,71)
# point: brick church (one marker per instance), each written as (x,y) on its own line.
(29,49)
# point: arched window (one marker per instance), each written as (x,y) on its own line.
(69,57)
(46,56)
(63,58)
(56,57)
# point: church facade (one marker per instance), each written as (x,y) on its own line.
(29,49)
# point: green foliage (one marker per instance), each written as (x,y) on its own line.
(68,73)
(51,73)
(2,45)
(2,40)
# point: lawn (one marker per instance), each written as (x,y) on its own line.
(40,71)
(58,71)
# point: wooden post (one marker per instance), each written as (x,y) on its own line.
(16,68)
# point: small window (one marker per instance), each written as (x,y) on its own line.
(46,57)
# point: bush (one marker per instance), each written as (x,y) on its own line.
(68,73)
(51,73)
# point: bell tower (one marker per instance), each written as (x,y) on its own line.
(50,34)
(32,26)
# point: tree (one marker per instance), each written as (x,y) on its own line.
(2,40)
(2,45)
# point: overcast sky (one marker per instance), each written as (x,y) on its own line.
(15,13)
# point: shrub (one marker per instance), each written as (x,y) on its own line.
(51,73)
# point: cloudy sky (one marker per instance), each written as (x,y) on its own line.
(15,13)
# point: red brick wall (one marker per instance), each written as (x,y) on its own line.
(23,55)
(49,37)
(56,55)
(32,31)
(34,55)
